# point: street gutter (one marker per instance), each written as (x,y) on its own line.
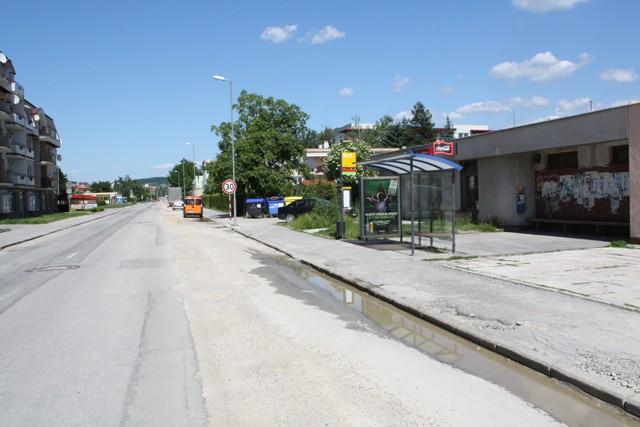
(629,403)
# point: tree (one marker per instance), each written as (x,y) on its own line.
(448,132)
(175,177)
(334,159)
(270,135)
(130,188)
(101,187)
(62,182)
(420,125)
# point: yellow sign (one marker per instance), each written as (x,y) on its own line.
(348,163)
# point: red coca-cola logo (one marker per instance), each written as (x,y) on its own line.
(443,148)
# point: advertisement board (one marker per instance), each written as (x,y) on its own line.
(348,163)
(380,204)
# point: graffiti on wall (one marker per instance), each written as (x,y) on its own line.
(597,195)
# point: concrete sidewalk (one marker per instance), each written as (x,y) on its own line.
(591,345)
(20,233)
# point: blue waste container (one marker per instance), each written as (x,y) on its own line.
(255,208)
(275,203)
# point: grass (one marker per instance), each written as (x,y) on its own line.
(462,224)
(619,244)
(44,219)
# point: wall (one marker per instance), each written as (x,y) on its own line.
(498,180)
(599,194)
(634,170)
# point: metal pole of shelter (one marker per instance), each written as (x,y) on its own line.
(412,206)
(453,211)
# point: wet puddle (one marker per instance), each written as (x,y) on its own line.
(561,401)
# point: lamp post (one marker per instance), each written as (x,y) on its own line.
(183,187)
(233,144)
(193,191)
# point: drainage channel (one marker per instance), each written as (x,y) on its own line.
(559,400)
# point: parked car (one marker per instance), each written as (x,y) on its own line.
(299,207)
(192,206)
(178,204)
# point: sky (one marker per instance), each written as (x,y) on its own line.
(130,83)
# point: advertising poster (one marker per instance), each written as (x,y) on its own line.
(381,213)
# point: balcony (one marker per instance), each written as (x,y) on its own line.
(47,182)
(4,178)
(46,157)
(5,79)
(17,119)
(21,150)
(20,179)
(49,135)
(18,89)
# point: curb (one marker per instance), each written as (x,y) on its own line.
(8,245)
(630,404)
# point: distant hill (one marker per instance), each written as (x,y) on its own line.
(156,180)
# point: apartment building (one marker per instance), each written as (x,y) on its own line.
(29,144)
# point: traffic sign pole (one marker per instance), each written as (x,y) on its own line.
(229,187)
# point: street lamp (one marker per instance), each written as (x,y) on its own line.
(233,143)
(194,166)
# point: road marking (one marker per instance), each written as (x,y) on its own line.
(72,255)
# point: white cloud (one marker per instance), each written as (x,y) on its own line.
(326,34)
(500,106)
(533,102)
(399,83)
(163,166)
(346,91)
(622,102)
(278,34)
(403,115)
(541,6)
(619,75)
(565,107)
(483,107)
(543,67)
(447,89)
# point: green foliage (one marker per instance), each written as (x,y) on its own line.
(421,126)
(130,188)
(101,187)
(320,190)
(448,133)
(175,177)
(218,202)
(320,217)
(619,244)
(270,137)
(334,160)
(62,181)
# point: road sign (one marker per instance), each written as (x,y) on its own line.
(229,186)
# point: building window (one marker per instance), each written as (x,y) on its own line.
(566,160)
(620,155)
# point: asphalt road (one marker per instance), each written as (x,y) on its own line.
(146,318)
(92,332)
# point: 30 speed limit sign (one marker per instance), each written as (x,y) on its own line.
(229,186)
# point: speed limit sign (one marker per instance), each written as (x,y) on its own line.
(229,186)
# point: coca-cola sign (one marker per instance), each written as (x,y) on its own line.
(443,148)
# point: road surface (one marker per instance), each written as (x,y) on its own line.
(146,318)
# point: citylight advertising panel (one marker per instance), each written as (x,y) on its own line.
(381,206)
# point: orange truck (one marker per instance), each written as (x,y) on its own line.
(192,206)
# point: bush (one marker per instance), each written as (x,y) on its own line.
(320,217)
(218,202)
(319,190)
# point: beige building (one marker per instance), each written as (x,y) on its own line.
(29,144)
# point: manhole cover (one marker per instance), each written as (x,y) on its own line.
(58,267)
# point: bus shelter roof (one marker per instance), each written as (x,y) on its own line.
(401,164)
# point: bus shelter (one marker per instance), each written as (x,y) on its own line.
(415,188)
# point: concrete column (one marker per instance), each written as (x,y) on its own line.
(633,126)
